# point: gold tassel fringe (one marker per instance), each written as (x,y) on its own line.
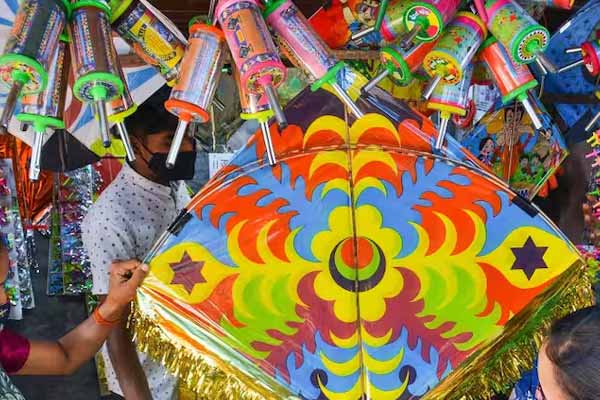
(495,368)
(491,370)
(207,381)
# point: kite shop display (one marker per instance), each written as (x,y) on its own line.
(427,163)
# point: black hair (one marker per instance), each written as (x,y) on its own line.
(573,346)
(151,116)
(484,141)
(524,156)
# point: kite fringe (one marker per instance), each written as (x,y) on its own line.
(499,364)
(197,375)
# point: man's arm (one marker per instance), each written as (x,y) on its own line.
(126,363)
(106,240)
(65,356)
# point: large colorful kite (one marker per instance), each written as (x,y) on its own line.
(360,266)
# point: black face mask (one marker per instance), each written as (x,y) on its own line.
(183,170)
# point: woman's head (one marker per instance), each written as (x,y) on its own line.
(569,360)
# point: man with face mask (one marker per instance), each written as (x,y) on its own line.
(124,223)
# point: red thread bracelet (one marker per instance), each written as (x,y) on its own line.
(100,320)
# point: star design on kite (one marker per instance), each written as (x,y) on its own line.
(529,258)
(187,272)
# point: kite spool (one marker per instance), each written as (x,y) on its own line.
(518,32)
(308,49)
(425,20)
(30,46)
(151,36)
(456,48)
(195,89)
(390,21)
(512,79)
(97,76)
(253,50)
(400,64)
(45,109)
(451,100)
(590,57)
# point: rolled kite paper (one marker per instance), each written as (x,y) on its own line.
(151,36)
(29,49)
(456,48)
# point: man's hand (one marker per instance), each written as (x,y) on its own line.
(125,278)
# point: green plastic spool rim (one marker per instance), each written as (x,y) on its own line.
(488,42)
(98,76)
(41,122)
(12,58)
(435,11)
(92,3)
(272,6)
(120,117)
(404,69)
(198,20)
(117,11)
(328,77)
(515,49)
(519,93)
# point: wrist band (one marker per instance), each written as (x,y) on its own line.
(100,320)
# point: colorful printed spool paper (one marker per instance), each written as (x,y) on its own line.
(392,26)
(94,56)
(452,99)
(152,36)
(456,48)
(308,49)
(512,79)
(32,43)
(51,102)
(200,75)
(252,48)
(522,36)
(431,15)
